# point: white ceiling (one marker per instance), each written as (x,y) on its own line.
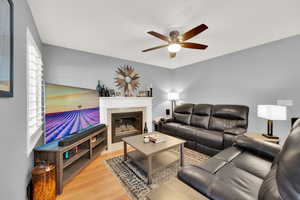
(118,27)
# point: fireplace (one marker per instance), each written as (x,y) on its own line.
(126,124)
(110,106)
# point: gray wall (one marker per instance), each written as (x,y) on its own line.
(259,75)
(15,165)
(81,69)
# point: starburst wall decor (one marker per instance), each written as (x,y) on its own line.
(127,79)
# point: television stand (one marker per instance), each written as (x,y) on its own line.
(87,150)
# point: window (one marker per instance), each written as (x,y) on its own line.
(34,93)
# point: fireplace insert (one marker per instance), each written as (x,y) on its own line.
(126,124)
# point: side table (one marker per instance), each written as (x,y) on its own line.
(259,136)
(157,120)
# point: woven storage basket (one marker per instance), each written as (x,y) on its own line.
(44,182)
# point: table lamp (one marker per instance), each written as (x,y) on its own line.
(271,112)
(173,96)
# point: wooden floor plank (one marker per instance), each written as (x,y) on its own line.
(95,182)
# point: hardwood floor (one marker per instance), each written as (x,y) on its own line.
(95,182)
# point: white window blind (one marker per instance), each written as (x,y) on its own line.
(34,92)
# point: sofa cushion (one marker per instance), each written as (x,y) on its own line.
(201,115)
(182,113)
(182,118)
(235,184)
(197,178)
(240,184)
(206,137)
(246,162)
(269,188)
(202,148)
(228,154)
(212,165)
(240,159)
(234,112)
(209,138)
(186,132)
(230,174)
(212,139)
(228,116)
(170,128)
(262,149)
(235,131)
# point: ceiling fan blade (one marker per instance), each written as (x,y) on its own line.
(193,32)
(160,36)
(172,55)
(153,48)
(191,45)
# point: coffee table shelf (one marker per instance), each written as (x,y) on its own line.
(159,161)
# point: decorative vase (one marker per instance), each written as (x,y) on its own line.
(98,88)
(145,128)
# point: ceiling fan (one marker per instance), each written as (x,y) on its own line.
(176,41)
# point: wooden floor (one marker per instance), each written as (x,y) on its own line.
(95,182)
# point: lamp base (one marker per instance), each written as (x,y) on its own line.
(270,136)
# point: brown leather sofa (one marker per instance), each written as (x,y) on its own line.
(250,170)
(207,128)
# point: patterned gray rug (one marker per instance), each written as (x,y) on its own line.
(134,179)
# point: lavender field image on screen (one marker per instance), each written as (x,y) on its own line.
(69,110)
(63,124)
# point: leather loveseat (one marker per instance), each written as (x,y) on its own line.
(250,170)
(207,128)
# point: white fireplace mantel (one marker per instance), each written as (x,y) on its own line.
(109,105)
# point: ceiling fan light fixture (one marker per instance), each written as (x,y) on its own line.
(174,48)
(175,41)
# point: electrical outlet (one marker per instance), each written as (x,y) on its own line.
(285,102)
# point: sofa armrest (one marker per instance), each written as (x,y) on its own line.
(163,121)
(230,135)
(263,148)
(166,120)
(235,131)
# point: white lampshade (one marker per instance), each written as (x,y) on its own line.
(272,112)
(173,96)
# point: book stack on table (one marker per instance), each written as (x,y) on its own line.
(155,138)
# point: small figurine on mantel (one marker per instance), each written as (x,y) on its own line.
(146,92)
(150,91)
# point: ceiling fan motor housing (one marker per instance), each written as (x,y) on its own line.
(174,36)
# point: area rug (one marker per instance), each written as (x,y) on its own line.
(134,179)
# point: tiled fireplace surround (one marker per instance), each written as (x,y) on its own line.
(109,105)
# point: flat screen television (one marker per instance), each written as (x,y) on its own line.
(68,110)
